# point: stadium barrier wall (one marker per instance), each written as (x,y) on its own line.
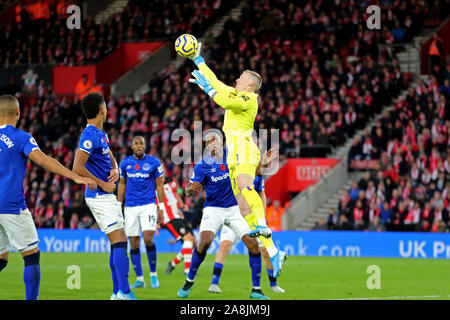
(298,243)
(130,82)
(297,175)
(315,195)
(108,70)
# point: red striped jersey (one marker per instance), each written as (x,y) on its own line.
(171,206)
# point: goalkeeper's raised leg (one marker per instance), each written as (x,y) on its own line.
(241,107)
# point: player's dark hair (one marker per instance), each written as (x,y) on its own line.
(91,104)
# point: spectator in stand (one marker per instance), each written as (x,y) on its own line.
(73,221)
(320,225)
(83,86)
(435,51)
(426,218)
(274,214)
(385,213)
(344,223)
(85,223)
(354,191)
(360,216)
(375,225)
(332,220)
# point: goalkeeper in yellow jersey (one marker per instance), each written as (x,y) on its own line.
(241,106)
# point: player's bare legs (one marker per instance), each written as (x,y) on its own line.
(117,236)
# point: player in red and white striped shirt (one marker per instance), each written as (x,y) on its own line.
(177,225)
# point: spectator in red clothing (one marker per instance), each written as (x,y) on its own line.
(391,172)
(73,221)
(426,218)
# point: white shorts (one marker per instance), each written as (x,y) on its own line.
(140,218)
(214,218)
(106,211)
(228,235)
(18,230)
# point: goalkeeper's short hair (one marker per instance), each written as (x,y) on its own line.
(257,78)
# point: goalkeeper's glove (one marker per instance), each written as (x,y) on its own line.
(202,82)
(198,55)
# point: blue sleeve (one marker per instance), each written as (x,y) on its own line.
(122,169)
(29,144)
(259,184)
(158,169)
(199,173)
(87,143)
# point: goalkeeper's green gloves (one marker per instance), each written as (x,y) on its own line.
(203,83)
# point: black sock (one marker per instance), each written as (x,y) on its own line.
(3,264)
(188,284)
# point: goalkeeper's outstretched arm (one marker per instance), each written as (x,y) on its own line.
(218,85)
(226,99)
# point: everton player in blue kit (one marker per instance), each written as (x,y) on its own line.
(228,237)
(140,176)
(16,223)
(95,160)
(220,209)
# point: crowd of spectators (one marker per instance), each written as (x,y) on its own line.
(314,97)
(410,186)
(48,41)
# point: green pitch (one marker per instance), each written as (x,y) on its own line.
(302,278)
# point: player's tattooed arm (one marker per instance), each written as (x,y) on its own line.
(192,188)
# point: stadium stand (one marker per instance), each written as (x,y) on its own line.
(408,188)
(39,36)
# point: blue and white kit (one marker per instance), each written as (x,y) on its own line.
(103,205)
(220,207)
(140,193)
(16,223)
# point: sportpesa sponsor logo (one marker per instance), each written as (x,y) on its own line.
(138,175)
(215,179)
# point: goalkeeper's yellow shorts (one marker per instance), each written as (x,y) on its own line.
(242,158)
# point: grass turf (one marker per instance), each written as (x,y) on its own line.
(302,278)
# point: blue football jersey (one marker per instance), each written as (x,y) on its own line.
(258,183)
(95,142)
(214,177)
(15,146)
(140,175)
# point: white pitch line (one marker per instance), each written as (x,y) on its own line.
(396,298)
